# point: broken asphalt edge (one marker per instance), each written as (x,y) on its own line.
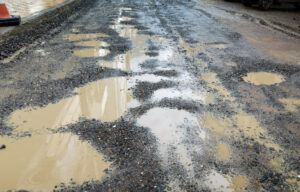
(37,25)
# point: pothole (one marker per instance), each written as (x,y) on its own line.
(263,78)
(170,128)
(104,100)
(77,37)
(42,161)
(91,52)
(218,46)
(222,152)
(94,43)
(164,123)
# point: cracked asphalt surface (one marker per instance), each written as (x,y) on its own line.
(151,96)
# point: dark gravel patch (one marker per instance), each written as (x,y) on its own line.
(149,64)
(166,73)
(152,53)
(180,104)
(144,90)
(145,32)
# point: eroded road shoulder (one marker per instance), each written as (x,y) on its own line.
(148,96)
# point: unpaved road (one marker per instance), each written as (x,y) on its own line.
(152,96)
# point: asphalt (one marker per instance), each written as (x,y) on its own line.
(174,95)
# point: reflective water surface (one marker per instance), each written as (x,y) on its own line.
(40,162)
(105,100)
(263,78)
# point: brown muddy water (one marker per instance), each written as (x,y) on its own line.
(222,152)
(217,46)
(40,162)
(263,78)
(84,36)
(94,43)
(91,52)
(104,100)
(97,47)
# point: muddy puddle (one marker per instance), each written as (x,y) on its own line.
(222,152)
(225,183)
(40,162)
(94,43)
(290,104)
(77,37)
(131,60)
(164,123)
(104,100)
(170,128)
(91,52)
(263,78)
(96,48)
(217,46)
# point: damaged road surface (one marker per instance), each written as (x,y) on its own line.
(149,96)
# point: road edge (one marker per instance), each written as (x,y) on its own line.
(271,24)
(36,26)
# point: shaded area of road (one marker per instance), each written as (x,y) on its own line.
(155,96)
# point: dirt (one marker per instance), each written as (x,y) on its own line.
(177,101)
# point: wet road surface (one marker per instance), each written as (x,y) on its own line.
(149,96)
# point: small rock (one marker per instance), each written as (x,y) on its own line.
(2,146)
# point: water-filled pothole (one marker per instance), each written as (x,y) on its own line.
(40,162)
(263,78)
(77,37)
(94,43)
(91,52)
(104,100)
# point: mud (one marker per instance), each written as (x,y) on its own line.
(263,78)
(92,44)
(104,100)
(166,108)
(44,161)
(222,151)
(95,52)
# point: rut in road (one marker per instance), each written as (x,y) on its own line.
(146,96)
